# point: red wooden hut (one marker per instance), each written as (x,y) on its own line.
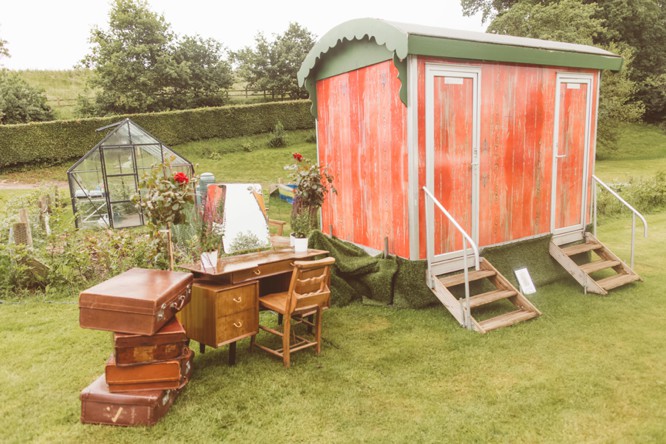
(499,130)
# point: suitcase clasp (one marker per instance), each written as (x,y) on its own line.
(178,304)
(160,313)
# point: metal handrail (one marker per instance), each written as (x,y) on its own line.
(466,238)
(626,204)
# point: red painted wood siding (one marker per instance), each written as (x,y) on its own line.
(571,145)
(517,108)
(453,140)
(362,136)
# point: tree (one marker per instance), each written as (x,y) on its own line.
(4,52)
(20,102)
(203,77)
(271,67)
(139,65)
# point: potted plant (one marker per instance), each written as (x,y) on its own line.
(301,226)
(313,182)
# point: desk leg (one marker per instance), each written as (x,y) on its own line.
(202,348)
(232,353)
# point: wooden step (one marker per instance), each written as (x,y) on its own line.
(581,248)
(457,279)
(617,281)
(489,297)
(591,267)
(507,319)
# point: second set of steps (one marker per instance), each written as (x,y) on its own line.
(500,290)
(586,273)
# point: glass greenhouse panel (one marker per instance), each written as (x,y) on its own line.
(125,215)
(118,161)
(121,188)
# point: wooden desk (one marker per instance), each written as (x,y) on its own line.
(225,300)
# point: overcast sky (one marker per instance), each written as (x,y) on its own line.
(50,34)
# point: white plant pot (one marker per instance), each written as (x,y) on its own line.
(291,239)
(209,260)
(300,244)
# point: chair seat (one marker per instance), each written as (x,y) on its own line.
(275,301)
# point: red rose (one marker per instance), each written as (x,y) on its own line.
(298,156)
(181,178)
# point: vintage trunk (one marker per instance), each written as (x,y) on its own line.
(158,375)
(168,343)
(100,406)
(138,301)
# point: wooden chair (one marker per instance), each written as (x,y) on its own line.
(303,303)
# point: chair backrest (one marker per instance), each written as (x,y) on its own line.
(309,285)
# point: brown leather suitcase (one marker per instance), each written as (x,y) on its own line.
(138,301)
(168,343)
(100,406)
(155,376)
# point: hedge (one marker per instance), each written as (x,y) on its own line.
(61,140)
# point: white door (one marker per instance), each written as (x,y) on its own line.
(571,151)
(452,157)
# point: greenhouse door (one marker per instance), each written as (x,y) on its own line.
(452,157)
(571,146)
(121,182)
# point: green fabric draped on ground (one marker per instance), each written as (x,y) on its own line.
(373,280)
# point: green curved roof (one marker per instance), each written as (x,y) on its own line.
(363,42)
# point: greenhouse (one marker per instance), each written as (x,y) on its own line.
(103,181)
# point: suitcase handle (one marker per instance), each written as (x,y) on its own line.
(178,304)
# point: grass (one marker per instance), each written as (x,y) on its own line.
(62,88)
(590,369)
(642,153)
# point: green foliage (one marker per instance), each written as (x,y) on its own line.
(615,103)
(277,139)
(4,52)
(272,66)
(646,194)
(313,183)
(301,224)
(140,66)
(165,196)
(60,141)
(19,102)
(565,21)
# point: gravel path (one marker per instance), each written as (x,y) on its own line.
(7,185)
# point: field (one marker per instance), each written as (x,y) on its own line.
(591,369)
(62,89)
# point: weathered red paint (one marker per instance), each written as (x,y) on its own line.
(517,105)
(362,137)
(453,142)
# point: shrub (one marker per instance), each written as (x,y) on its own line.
(644,194)
(277,139)
(61,140)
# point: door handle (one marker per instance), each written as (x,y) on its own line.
(559,156)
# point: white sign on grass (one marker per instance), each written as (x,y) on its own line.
(525,281)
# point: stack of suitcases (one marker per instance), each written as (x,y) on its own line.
(151,363)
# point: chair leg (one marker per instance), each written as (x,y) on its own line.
(253,339)
(286,341)
(318,330)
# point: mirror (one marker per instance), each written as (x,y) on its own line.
(239,209)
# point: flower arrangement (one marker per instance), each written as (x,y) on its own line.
(313,182)
(164,198)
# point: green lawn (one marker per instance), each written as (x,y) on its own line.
(642,153)
(61,88)
(590,369)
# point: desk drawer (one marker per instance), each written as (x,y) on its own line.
(236,299)
(236,326)
(262,270)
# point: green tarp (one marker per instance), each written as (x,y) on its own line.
(373,280)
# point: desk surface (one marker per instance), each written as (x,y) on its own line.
(230,264)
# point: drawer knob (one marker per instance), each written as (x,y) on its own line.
(237,300)
(257,272)
(238,324)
